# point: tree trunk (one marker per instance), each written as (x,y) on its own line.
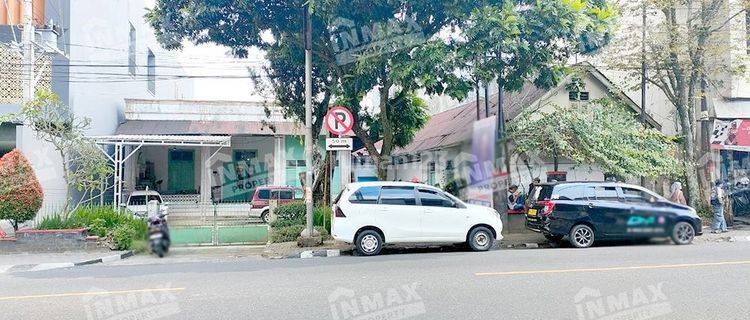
(382,166)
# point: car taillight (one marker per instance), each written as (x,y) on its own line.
(548,207)
(338,213)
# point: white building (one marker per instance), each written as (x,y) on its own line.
(104,52)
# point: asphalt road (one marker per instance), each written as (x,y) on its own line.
(702,281)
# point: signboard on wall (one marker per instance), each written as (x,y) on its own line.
(731,135)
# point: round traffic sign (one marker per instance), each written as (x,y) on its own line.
(339,120)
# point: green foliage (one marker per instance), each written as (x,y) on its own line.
(123,236)
(97,228)
(600,132)
(407,112)
(322,218)
(291,211)
(291,233)
(102,221)
(20,191)
(58,221)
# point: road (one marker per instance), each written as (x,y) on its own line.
(702,281)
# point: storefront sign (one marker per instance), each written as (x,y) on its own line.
(731,135)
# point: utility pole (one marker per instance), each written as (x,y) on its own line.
(28,54)
(643,74)
(309,232)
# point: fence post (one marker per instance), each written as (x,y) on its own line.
(215,228)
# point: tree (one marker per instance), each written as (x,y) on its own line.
(601,132)
(403,57)
(84,166)
(687,48)
(20,192)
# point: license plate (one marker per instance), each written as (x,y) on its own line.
(532,212)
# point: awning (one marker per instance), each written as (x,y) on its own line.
(164,140)
(732,109)
(186,127)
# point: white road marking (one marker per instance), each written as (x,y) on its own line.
(49,266)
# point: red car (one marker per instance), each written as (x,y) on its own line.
(263,196)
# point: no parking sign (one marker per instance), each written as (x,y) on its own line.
(339,120)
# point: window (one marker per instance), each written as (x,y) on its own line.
(181,155)
(578,95)
(432,198)
(449,170)
(300,194)
(151,71)
(747,31)
(402,196)
(131,51)
(542,193)
(264,194)
(365,195)
(286,194)
(431,173)
(606,193)
(571,192)
(635,195)
(7,138)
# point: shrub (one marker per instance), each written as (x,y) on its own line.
(122,237)
(322,218)
(97,227)
(291,211)
(290,233)
(20,191)
(57,221)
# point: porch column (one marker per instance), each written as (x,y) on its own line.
(279,161)
(205,175)
(345,165)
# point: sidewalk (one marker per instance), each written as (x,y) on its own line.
(18,262)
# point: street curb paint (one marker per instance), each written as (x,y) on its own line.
(328,253)
(50,266)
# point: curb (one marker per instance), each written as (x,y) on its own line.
(50,266)
(327,253)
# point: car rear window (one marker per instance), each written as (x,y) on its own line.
(264,194)
(542,193)
(572,192)
(365,195)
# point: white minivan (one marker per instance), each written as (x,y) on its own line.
(373,214)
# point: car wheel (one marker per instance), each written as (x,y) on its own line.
(481,239)
(369,243)
(553,238)
(265,217)
(683,233)
(581,236)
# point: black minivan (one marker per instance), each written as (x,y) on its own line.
(589,211)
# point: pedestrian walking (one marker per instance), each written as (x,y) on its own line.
(717,203)
(676,195)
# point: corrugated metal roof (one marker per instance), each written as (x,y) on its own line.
(453,126)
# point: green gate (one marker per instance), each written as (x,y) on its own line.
(215,224)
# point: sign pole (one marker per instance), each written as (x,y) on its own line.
(309,230)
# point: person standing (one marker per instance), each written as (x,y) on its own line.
(676,194)
(717,203)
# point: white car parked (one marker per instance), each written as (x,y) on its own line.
(138,202)
(373,214)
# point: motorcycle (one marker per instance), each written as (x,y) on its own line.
(158,235)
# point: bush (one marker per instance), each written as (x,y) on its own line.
(97,228)
(57,222)
(292,211)
(290,233)
(123,229)
(122,237)
(322,218)
(20,191)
